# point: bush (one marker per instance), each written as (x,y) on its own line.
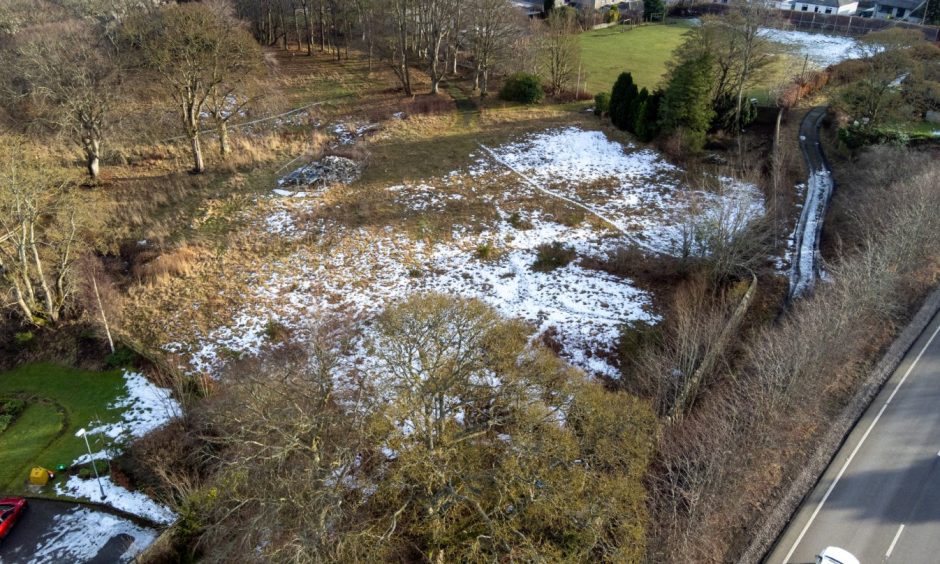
(87,471)
(623,102)
(9,409)
(519,222)
(120,358)
(276,331)
(23,337)
(552,255)
(613,15)
(522,87)
(486,251)
(601,103)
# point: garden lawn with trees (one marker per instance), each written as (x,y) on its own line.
(58,402)
(643,51)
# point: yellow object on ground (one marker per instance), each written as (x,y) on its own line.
(39,476)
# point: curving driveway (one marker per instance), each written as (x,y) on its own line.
(805,259)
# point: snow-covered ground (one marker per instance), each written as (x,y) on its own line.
(135,503)
(80,534)
(823,50)
(144,407)
(354,271)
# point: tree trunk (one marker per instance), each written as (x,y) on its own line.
(51,310)
(322,30)
(199,166)
(309,30)
(223,139)
(104,318)
(92,150)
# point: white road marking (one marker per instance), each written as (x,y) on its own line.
(894,542)
(857,447)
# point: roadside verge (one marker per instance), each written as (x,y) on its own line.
(779,516)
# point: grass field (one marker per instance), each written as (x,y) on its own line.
(643,51)
(61,401)
(36,427)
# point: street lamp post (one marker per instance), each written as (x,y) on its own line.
(84,434)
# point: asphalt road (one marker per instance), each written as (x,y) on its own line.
(39,528)
(880,497)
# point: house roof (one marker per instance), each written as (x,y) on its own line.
(906,4)
(827,3)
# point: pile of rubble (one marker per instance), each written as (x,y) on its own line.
(321,174)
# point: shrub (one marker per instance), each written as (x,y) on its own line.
(647,117)
(121,357)
(276,331)
(552,255)
(87,471)
(486,251)
(23,337)
(9,409)
(519,222)
(623,101)
(601,103)
(686,108)
(11,406)
(522,87)
(613,15)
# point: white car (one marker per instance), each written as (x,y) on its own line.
(836,555)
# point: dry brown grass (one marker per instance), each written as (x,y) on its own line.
(154,268)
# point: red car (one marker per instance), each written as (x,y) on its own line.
(11,508)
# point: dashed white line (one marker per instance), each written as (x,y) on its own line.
(858,447)
(894,542)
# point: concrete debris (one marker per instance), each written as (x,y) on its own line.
(325,172)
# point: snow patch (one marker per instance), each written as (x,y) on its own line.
(78,536)
(356,271)
(136,503)
(823,50)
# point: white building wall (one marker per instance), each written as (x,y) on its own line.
(846,10)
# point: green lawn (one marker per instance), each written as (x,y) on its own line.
(643,51)
(62,400)
(915,129)
(35,428)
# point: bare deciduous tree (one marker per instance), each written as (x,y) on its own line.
(196,49)
(494,26)
(560,50)
(71,79)
(38,239)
